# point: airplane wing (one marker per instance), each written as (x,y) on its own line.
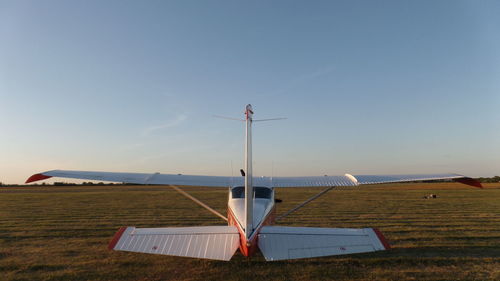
(204,242)
(221,181)
(374,179)
(283,243)
(313,181)
(355,180)
(137,178)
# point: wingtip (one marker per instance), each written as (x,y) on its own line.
(37,177)
(117,237)
(382,239)
(469,181)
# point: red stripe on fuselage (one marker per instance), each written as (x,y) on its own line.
(249,247)
(231,220)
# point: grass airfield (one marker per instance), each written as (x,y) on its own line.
(61,233)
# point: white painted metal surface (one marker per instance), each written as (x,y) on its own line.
(261,208)
(280,243)
(207,242)
(374,179)
(312,181)
(219,181)
(143,178)
(248,174)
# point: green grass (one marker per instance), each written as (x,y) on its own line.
(61,233)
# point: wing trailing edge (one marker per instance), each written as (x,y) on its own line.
(376,179)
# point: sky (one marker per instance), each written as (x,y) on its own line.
(368,87)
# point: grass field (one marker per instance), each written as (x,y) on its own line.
(61,233)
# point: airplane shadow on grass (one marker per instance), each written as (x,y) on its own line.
(422,255)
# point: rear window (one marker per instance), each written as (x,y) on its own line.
(259,192)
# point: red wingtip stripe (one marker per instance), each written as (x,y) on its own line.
(37,177)
(116,238)
(382,239)
(469,181)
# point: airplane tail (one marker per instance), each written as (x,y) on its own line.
(248,174)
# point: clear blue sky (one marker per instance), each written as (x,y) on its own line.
(368,86)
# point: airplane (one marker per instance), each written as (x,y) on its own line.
(251,214)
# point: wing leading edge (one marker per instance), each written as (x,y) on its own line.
(221,181)
(136,178)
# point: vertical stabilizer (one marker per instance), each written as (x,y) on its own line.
(248,175)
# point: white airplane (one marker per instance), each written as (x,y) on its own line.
(251,214)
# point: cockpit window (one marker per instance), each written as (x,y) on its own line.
(262,192)
(259,192)
(238,192)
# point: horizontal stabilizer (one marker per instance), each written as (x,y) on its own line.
(205,242)
(282,243)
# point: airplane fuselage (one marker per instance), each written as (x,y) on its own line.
(264,213)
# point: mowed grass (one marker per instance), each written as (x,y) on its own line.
(61,233)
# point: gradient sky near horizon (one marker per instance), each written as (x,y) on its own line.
(369,87)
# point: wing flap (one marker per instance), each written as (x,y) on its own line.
(206,242)
(281,243)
